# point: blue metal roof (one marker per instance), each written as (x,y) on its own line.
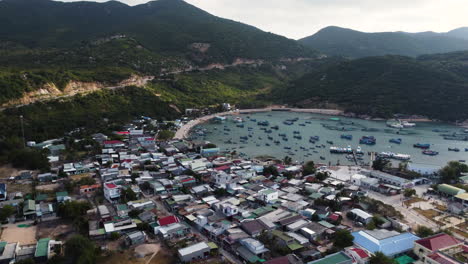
(389,246)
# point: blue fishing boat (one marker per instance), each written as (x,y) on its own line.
(315,138)
(263,123)
(395,140)
(422,146)
(368,140)
(454,149)
(348,137)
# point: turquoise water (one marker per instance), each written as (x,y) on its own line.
(227,135)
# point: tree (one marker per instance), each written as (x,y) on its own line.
(289,175)
(309,168)
(134,213)
(322,175)
(165,134)
(452,171)
(128,195)
(73,209)
(424,231)
(343,238)
(287,160)
(80,250)
(380,164)
(409,192)
(271,170)
(380,258)
(210,145)
(6,211)
(220,192)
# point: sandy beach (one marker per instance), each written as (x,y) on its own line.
(184,130)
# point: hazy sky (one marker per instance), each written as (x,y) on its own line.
(300,18)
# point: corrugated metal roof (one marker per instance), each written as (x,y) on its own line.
(389,246)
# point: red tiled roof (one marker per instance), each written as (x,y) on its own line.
(187,180)
(168,220)
(123,132)
(94,186)
(222,168)
(438,241)
(361,253)
(278,260)
(107,142)
(441,259)
(111,185)
(334,217)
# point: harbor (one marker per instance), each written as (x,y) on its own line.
(329,139)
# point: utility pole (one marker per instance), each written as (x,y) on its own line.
(22,130)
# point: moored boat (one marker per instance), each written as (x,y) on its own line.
(395,140)
(430,152)
(348,137)
(422,146)
(454,149)
(368,140)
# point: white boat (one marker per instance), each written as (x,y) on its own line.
(397,156)
(408,124)
(238,120)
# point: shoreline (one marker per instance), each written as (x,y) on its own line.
(184,131)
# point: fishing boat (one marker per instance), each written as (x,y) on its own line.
(298,137)
(454,149)
(282,135)
(288,123)
(244,137)
(359,150)
(301,124)
(275,127)
(330,142)
(348,137)
(322,157)
(263,123)
(219,118)
(296,132)
(368,140)
(396,156)
(466,149)
(395,140)
(238,120)
(240,125)
(422,146)
(339,150)
(287,147)
(430,152)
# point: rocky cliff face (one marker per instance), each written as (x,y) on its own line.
(50,91)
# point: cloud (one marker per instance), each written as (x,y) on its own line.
(300,18)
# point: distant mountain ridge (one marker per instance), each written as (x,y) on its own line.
(355,44)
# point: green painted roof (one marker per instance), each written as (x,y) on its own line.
(42,247)
(326,224)
(212,245)
(405,259)
(61,194)
(122,207)
(41,197)
(449,189)
(295,246)
(336,258)
(2,246)
(315,195)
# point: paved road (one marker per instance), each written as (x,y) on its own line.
(413,218)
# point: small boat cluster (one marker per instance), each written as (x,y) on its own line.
(396,156)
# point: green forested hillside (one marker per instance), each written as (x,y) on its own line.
(435,86)
(165,27)
(356,44)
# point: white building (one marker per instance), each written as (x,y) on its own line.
(268,195)
(111,191)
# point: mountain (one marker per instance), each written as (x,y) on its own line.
(459,33)
(166,27)
(430,85)
(356,44)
